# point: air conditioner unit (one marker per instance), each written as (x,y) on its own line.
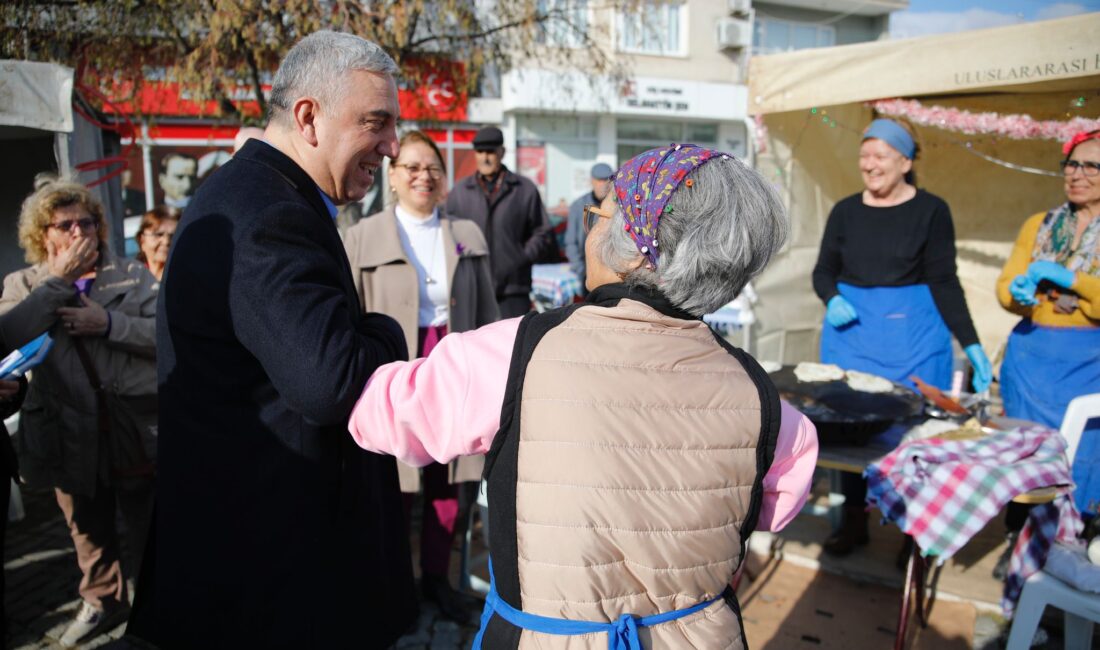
(739,6)
(734,34)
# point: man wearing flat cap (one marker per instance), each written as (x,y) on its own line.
(574,231)
(509,211)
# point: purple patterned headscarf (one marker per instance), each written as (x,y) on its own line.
(645,184)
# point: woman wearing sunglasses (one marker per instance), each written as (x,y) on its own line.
(631,450)
(88,423)
(1052,279)
(431,274)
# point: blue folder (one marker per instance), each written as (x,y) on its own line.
(16,364)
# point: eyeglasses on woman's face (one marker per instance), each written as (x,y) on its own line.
(415,170)
(591,214)
(1088,167)
(87,224)
(160,234)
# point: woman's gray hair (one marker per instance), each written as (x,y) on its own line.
(720,233)
(318,66)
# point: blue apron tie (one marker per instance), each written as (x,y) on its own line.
(622,634)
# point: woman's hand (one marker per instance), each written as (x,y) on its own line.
(1056,273)
(89,320)
(1023,290)
(983,369)
(839,312)
(74,261)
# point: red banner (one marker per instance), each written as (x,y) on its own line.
(437,97)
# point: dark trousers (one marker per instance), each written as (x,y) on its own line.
(512,306)
(5,498)
(437,527)
(854,488)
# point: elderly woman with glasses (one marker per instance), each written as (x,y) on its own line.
(89,416)
(430,273)
(154,238)
(631,450)
(1052,280)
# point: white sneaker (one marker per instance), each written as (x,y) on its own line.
(90,621)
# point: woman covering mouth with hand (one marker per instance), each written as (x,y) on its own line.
(886,273)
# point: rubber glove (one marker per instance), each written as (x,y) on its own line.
(839,312)
(983,370)
(1056,273)
(1023,290)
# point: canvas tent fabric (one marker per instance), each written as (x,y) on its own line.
(815,103)
(36,96)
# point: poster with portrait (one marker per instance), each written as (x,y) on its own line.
(177,170)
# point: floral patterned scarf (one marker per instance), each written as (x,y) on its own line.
(1054,241)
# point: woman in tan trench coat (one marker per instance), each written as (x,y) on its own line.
(95,448)
(431,274)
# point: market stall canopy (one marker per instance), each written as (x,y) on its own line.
(990,108)
(1042,56)
(36,96)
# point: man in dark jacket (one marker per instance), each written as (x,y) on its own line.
(509,211)
(574,231)
(272,529)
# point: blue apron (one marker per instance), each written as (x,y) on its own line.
(1045,368)
(622,634)
(899,333)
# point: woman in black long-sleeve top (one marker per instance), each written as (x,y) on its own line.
(886,273)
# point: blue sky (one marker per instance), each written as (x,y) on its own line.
(939,16)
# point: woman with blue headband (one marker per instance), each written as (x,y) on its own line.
(631,450)
(886,273)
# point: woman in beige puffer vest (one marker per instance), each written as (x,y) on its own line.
(631,450)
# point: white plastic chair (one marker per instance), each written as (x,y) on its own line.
(1081,609)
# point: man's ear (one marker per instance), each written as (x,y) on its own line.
(305,112)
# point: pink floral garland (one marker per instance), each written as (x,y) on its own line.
(761,139)
(1016,127)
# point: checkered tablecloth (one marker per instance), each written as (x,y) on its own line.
(942,492)
(555,282)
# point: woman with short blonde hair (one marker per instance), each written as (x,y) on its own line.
(89,419)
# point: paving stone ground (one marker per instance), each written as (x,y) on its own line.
(42,577)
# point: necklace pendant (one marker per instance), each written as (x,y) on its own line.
(428,280)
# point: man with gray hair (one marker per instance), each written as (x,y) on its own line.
(272,528)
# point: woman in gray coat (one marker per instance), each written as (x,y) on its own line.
(94,446)
(431,274)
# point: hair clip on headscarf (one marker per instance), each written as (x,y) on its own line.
(650,179)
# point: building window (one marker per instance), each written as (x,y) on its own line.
(771,35)
(635,136)
(653,28)
(566,25)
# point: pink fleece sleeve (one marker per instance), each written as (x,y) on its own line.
(439,407)
(787,483)
(448,405)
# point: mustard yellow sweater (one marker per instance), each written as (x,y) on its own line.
(1087,286)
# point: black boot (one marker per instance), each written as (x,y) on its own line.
(452,604)
(851,533)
